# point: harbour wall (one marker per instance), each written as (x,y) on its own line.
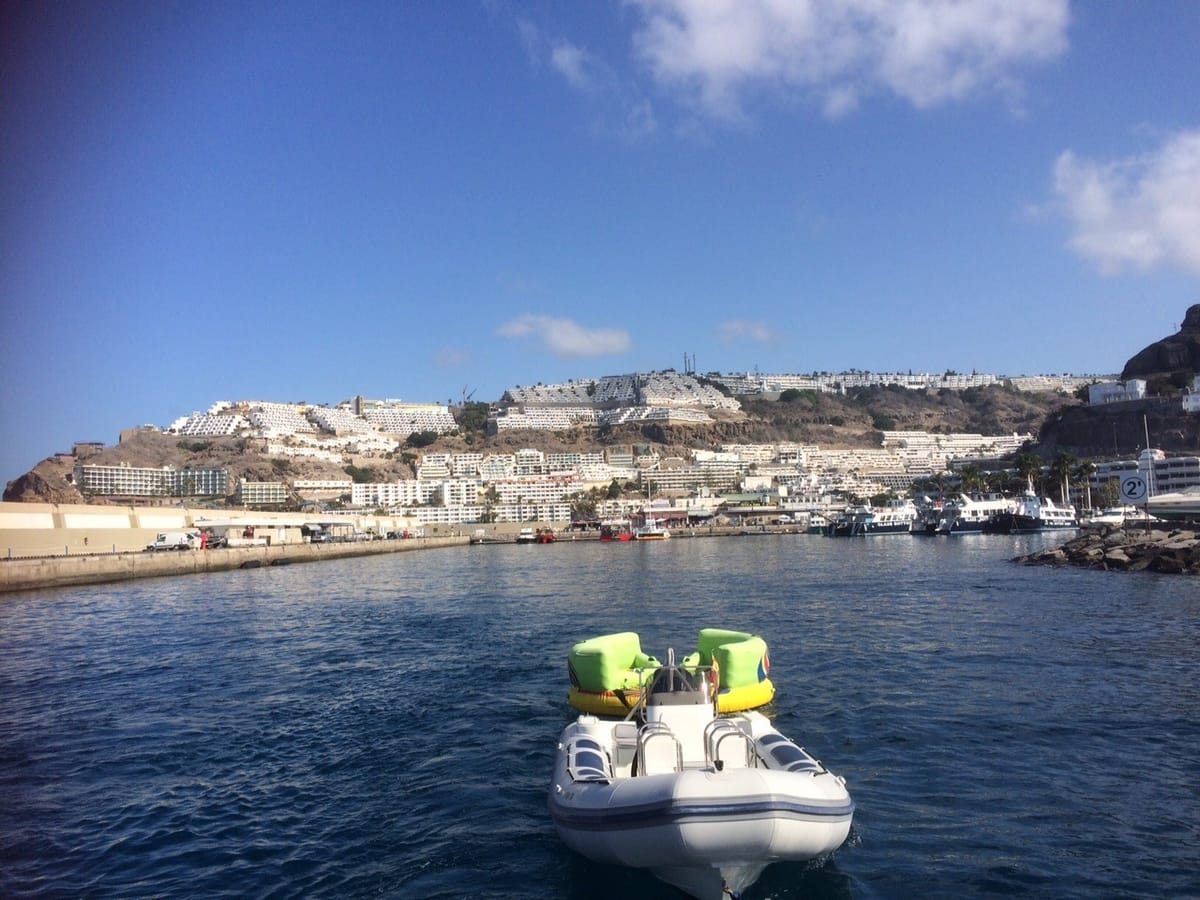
(22,574)
(48,529)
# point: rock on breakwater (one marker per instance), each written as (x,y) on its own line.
(1175,552)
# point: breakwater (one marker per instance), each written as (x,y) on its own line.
(1174,552)
(78,569)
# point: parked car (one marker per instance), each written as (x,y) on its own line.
(174,540)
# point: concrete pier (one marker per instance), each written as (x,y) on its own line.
(62,571)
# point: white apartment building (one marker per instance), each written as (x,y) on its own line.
(404,419)
(1116,391)
(1164,473)
(1191,400)
(261,493)
(322,488)
(136,481)
(536,490)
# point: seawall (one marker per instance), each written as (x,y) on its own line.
(79,569)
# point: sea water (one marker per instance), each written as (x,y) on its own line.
(385,726)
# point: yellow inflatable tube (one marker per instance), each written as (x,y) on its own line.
(608,672)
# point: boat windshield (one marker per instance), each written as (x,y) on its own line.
(676,685)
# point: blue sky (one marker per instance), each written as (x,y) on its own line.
(308,201)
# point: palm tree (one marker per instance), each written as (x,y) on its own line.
(1029,465)
(973,478)
(1084,472)
(1064,463)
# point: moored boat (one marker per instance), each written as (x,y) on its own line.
(853,521)
(651,531)
(897,517)
(608,673)
(972,513)
(526,536)
(1033,514)
(1176,506)
(702,802)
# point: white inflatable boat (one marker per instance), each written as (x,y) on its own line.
(704,802)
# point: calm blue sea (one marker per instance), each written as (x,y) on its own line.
(384,727)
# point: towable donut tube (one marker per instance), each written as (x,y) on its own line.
(609,672)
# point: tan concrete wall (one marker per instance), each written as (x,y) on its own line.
(47,529)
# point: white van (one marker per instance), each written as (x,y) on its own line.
(175,540)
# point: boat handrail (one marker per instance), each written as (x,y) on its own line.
(716,733)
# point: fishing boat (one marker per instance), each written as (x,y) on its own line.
(608,673)
(615,531)
(702,802)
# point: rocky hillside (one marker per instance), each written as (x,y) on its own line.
(1119,429)
(1177,356)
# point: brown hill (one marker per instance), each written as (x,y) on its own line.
(833,421)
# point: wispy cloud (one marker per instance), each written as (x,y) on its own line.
(452,358)
(620,108)
(928,52)
(567,339)
(745,329)
(1141,213)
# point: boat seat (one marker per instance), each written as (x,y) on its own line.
(587,761)
(625,741)
(659,752)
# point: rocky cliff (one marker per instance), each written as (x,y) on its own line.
(1178,353)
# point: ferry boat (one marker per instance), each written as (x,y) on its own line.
(1033,514)
(853,521)
(971,514)
(897,517)
(702,802)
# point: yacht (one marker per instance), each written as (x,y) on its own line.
(1176,506)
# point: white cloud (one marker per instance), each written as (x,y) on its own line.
(567,339)
(572,63)
(1142,212)
(928,52)
(738,329)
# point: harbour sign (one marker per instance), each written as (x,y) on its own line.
(1134,489)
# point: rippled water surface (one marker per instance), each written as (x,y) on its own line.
(385,726)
